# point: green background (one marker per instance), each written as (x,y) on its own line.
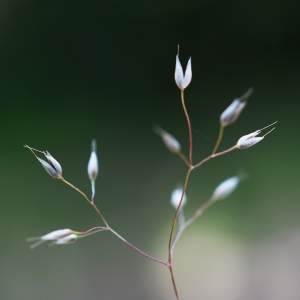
(72,71)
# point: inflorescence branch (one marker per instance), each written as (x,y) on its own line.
(178,197)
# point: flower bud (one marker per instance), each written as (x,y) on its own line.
(251,139)
(93,163)
(52,167)
(225,188)
(233,111)
(171,143)
(176,197)
(181,80)
(52,236)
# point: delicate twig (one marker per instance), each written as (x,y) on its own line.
(213,156)
(189,127)
(173,281)
(137,249)
(90,231)
(86,198)
(176,214)
(197,214)
(93,190)
(219,139)
(181,217)
(110,229)
(182,156)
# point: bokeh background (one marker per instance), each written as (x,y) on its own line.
(76,70)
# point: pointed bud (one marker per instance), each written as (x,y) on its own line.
(52,236)
(225,188)
(233,111)
(93,163)
(176,197)
(181,80)
(171,143)
(52,167)
(251,139)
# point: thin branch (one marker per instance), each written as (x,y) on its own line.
(176,214)
(110,229)
(137,249)
(189,127)
(213,156)
(196,215)
(185,160)
(221,132)
(86,198)
(173,281)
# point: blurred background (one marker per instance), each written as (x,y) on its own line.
(72,71)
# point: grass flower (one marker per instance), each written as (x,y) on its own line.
(52,236)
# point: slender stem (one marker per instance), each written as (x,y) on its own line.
(99,213)
(181,217)
(199,212)
(189,164)
(221,132)
(93,230)
(213,156)
(93,190)
(110,229)
(87,199)
(189,127)
(76,189)
(182,156)
(196,215)
(172,243)
(137,249)
(172,233)
(173,281)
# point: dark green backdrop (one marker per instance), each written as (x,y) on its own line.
(75,70)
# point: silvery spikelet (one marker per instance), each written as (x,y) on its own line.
(251,139)
(52,167)
(169,140)
(181,80)
(93,167)
(233,111)
(225,188)
(52,236)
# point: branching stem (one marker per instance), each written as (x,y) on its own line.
(110,229)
